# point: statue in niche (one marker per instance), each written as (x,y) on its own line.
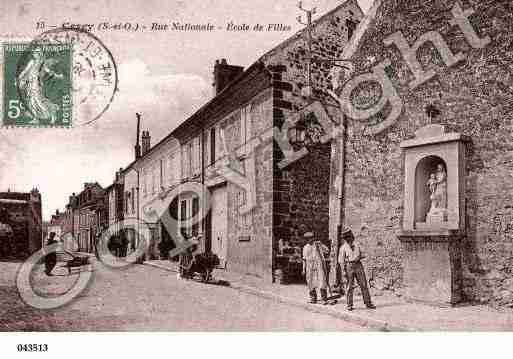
(437,185)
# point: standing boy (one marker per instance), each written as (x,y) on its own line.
(350,257)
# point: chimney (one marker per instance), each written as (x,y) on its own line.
(145,142)
(137,146)
(224,74)
(117,178)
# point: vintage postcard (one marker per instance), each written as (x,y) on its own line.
(195,166)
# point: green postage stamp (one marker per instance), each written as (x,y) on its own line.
(37,90)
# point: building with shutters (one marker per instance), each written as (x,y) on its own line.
(84,213)
(225,141)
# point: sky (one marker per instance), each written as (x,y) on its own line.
(166,76)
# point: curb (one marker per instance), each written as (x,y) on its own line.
(159,266)
(363,321)
(376,324)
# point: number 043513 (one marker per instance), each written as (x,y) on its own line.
(32,347)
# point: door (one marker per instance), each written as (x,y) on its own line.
(219,224)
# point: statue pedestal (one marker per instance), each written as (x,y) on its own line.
(432,266)
(436,217)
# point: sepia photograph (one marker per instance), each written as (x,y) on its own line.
(283,166)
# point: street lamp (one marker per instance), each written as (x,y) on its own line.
(296,135)
(299,135)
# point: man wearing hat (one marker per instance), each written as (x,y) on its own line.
(349,257)
(313,268)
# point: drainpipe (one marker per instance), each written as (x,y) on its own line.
(343,173)
(204,205)
(137,214)
(335,280)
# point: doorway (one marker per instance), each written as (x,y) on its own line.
(219,224)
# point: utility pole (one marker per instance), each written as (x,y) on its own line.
(308,24)
(338,147)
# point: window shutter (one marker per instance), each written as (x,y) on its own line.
(206,152)
(247,129)
(198,155)
(212,148)
(242,127)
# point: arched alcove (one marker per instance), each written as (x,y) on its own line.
(424,169)
(433,218)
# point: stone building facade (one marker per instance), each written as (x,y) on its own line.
(469,94)
(231,137)
(85,219)
(304,195)
(21,228)
(114,199)
(214,146)
(159,172)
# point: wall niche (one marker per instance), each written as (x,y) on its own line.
(433,222)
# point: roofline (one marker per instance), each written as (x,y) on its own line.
(314,23)
(230,85)
(198,112)
(354,43)
(258,62)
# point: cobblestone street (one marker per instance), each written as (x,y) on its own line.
(146,298)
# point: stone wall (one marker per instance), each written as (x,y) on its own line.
(301,190)
(301,198)
(288,61)
(475,98)
(249,234)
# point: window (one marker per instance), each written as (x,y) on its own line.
(133,200)
(245,127)
(173,168)
(170,170)
(188,160)
(195,210)
(162,171)
(148,180)
(145,190)
(185,161)
(198,154)
(183,214)
(212,146)
(243,219)
(195,156)
(127,198)
(220,143)
(153,179)
(351,28)
(189,207)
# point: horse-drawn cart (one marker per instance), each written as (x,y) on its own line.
(201,265)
